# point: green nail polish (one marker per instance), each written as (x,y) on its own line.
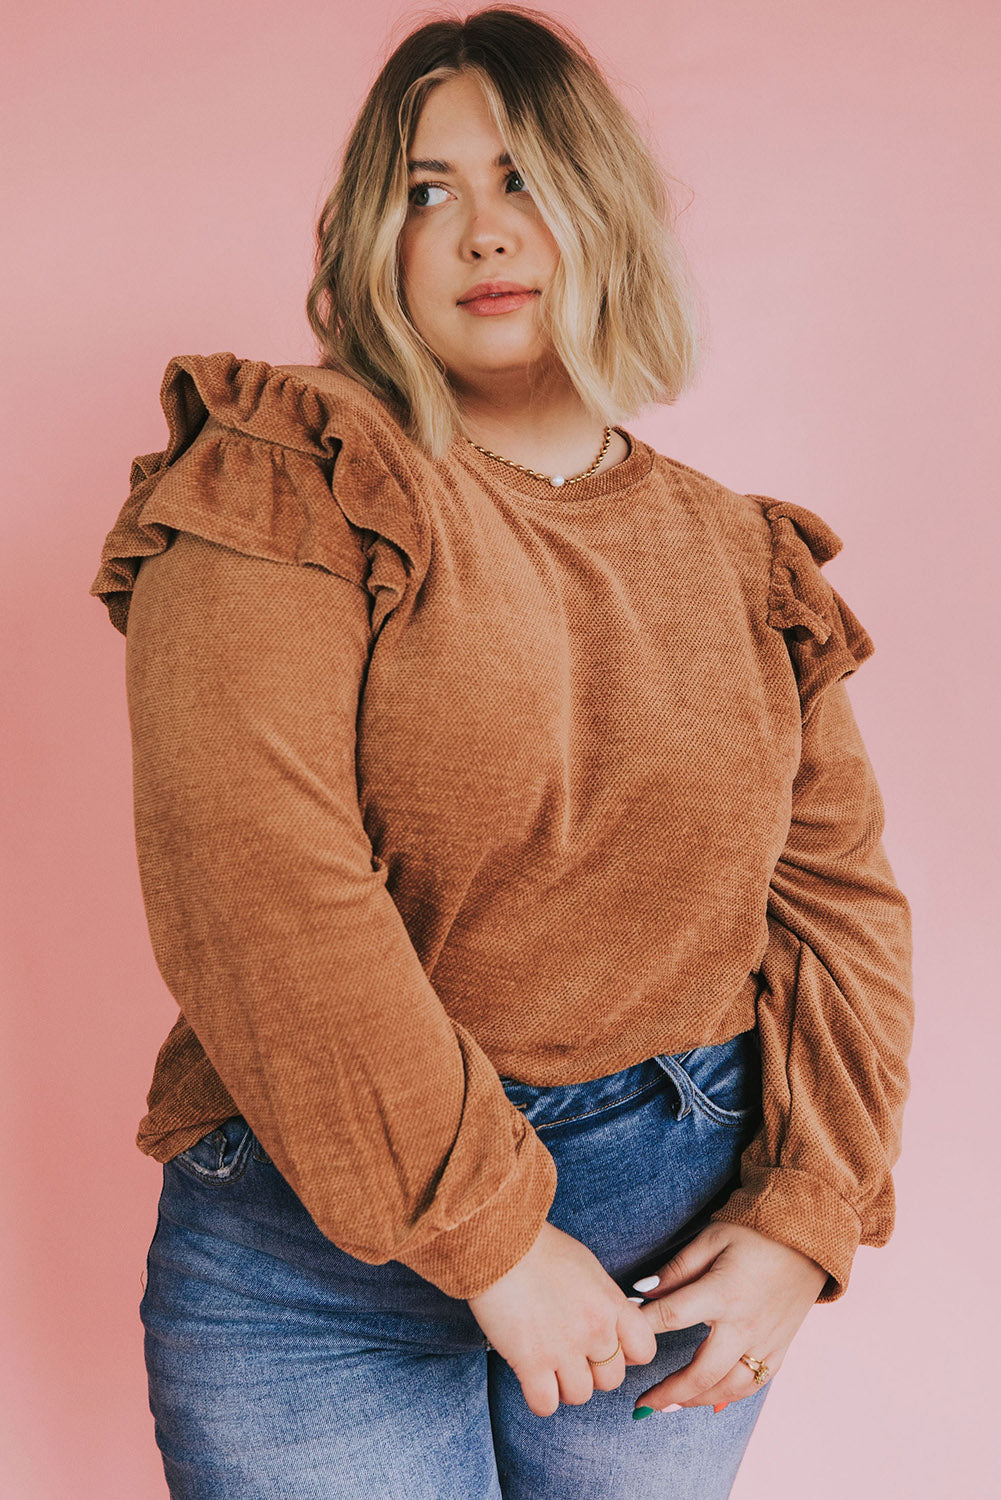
(639,1412)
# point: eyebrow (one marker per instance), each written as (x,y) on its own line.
(429,164)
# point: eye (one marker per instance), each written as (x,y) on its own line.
(421,187)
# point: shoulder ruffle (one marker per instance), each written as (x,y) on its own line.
(280,469)
(826,639)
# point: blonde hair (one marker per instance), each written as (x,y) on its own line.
(621,309)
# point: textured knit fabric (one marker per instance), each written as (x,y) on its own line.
(444,775)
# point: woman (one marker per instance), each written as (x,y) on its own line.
(507,842)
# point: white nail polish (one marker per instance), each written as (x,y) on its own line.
(636,1299)
(647,1284)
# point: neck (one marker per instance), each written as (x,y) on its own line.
(544,426)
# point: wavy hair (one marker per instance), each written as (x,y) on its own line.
(621,310)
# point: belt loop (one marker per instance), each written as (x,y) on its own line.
(680,1079)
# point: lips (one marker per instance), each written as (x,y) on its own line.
(495,289)
(496,304)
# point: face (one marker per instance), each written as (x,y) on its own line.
(471,218)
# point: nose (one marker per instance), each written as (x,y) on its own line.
(487,233)
(482,244)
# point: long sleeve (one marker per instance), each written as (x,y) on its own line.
(835,1013)
(273,929)
(251,595)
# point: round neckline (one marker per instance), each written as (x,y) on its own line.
(598,486)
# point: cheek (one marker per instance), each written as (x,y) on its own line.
(409,276)
(404,256)
(415,269)
(425,299)
(549,246)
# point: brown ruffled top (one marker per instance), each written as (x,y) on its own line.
(443,776)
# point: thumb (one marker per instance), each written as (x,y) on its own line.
(688,1263)
(682,1307)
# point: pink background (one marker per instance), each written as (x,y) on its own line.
(165,167)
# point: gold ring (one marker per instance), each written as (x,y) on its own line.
(761,1370)
(609,1359)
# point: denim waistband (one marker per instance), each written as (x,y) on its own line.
(564,1101)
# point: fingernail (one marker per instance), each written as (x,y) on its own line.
(722,1406)
(647,1284)
(639,1412)
(636,1299)
(674,1406)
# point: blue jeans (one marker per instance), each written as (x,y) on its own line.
(280,1366)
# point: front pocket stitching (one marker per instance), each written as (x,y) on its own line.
(716,1111)
(734,1117)
(569,1119)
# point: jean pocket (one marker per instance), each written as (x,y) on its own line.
(722,1082)
(221,1155)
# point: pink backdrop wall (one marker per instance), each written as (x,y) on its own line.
(164,168)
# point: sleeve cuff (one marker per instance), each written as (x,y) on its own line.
(801,1211)
(466,1259)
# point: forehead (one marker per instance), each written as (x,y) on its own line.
(455,126)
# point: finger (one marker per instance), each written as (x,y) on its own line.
(737,1385)
(608,1377)
(637,1345)
(691,1261)
(701,1301)
(637,1337)
(540,1390)
(579,1379)
(710,1366)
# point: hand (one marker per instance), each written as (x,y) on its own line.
(752,1291)
(556,1307)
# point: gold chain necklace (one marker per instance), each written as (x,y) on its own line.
(554,479)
